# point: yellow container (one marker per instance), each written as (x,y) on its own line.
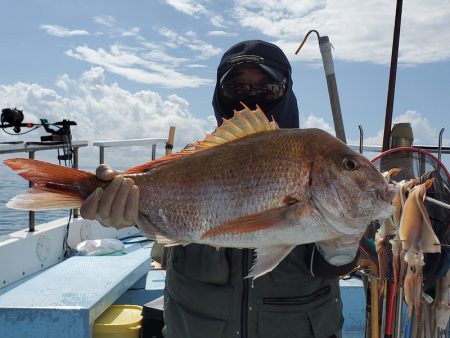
(119,321)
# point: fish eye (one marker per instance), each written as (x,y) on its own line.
(350,163)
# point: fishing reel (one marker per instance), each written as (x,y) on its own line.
(57,135)
(12,117)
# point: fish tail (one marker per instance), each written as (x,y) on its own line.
(54,186)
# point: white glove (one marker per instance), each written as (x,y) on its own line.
(339,251)
(117,206)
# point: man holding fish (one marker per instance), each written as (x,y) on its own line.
(207,294)
(261,220)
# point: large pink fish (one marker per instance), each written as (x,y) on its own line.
(247,185)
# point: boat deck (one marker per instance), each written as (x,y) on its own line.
(71,294)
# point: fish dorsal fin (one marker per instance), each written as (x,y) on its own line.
(244,123)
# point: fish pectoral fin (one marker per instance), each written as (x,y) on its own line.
(267,259)
(167,242)
(260,221)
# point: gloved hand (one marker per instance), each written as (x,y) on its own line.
(116,206)
(341,250)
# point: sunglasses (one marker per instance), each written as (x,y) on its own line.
(270,91)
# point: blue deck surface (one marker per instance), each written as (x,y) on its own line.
(354,301)
(72,294)
(65,300)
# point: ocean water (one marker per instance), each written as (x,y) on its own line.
(12,185)
(13,220)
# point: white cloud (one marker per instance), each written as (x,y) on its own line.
(105,20)
(132,32)
(188,7)
(106,111)
(197,10)
(62,32)
(312,121)
(376,140)
(221,34)
(125,62)
(63,82)
(159,55)
(359,30)
(189,40)
(149,62)
(217,21)
(195,65)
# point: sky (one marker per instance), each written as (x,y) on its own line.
(132,69)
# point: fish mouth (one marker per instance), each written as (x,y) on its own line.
(379,184)
(386,192)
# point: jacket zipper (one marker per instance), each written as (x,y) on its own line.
(322,292)
(245,291)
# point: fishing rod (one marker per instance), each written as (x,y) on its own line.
(13,118)
(61,134)
(392,75)
(393,307)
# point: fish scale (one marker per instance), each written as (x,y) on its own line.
(216,195)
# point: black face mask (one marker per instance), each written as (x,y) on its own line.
(229,105)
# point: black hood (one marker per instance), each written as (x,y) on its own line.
(269,58)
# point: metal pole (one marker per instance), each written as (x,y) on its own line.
(361,139)
(440,144)
(327,58)
(392,76)
(102,154)
(399,312)
(75,165)
(31,214)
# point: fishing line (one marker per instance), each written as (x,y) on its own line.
(67,149)
(66,246)
(14,134)
(132,239)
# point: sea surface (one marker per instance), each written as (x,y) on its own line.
(13,220)
(12,185)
